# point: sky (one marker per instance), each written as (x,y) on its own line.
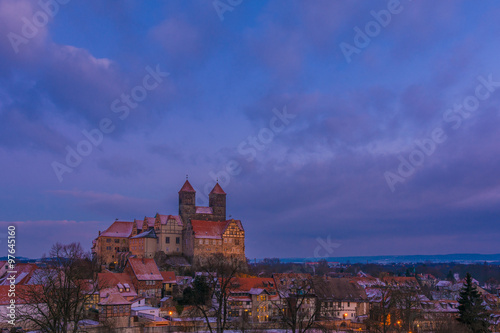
(337,128)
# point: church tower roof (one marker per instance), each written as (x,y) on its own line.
(187,187)
(217,189)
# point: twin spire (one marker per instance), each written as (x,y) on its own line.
(188,188)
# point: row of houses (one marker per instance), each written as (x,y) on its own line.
(143,293)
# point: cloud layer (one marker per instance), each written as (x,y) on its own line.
(320,172)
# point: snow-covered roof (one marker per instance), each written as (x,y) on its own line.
(114,299)
(121,229)
(204,210)
(146,234)
(145,269)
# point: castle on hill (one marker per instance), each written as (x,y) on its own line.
(194,233)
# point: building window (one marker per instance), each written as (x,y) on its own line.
(167,240)
(236,242)
(108,240)
(117,241)
(177,240)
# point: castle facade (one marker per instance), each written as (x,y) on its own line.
(194,233)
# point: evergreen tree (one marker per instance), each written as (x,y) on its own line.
(471,311)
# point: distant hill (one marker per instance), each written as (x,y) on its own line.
(464,258)
(21,259)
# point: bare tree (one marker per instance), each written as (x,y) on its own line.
(56,297)
(213,287)
(297,306)
(380,314)
(407,307)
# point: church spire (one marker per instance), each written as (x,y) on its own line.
(217,189)
(187,187)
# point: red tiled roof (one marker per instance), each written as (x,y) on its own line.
(145,269)
(217,189)
(20,290)
(187,187)
(120,229)
(168,277)
(208,229)
(110,279)
(246,284)
(108,282)
(212,229)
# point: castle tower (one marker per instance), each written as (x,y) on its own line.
(217,200)
(187,200)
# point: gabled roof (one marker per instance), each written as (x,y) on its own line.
(114,299)
(165,218)
(340,289)
(253,285)
(108,283)
(291,283)
(168,277)
(238,223)
(146,234)
(217,189)
(24,272)
(138,223)
(150,221)
(187,187)
(121,229)
(145,269)
(402,281)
